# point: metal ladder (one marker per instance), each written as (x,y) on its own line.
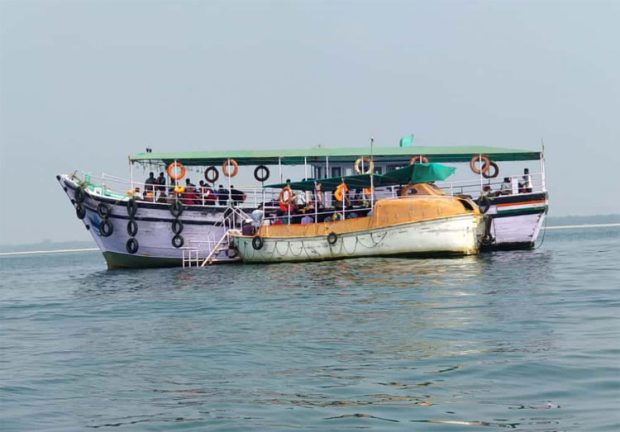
(222,245)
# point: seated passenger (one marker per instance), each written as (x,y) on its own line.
(506,188)
(236,195)
(189,197)
(277,219)
(258,215)
(307,219)
(162,197)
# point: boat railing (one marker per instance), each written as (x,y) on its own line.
(280,217)
(475,187)
(108,185)
(191,254)
(111,186)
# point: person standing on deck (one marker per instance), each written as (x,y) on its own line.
(149,183)
(527,180)
(161,180)
(222,195)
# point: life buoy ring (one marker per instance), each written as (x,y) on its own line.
(80,211)
(176,170)
(132,245)
(257,243)
(261,169)
(177,241)
(367,163)
(340,191)
(106,228)
(132,207)
(495,172)
(176,208)
(211,174)
(132,228)
(485,164)
(79,195)
(177,226)
(230,163)
(332,238)
(418,159)
(103,210)
(290,196)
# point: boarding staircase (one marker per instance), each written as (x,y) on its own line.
(231,221)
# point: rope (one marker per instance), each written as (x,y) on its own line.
(542,241)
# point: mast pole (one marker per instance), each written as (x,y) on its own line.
(280,168)
(229,183)
(372,175)
(480,159)
(130,174)
(316,203)
(542,166)
(327,167)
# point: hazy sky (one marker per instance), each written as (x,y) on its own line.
(85,83)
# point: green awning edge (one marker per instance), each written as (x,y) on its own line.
(318,155)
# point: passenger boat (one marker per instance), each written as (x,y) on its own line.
(135,227)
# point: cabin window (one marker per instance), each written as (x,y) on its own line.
(348,171)
(378,170)
(393,167)
(336,171)
(318,172)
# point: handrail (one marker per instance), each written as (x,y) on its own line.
(217,248)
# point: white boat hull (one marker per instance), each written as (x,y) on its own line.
(446,236)
(515,221)
(202,228)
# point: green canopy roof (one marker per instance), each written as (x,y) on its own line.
(318,155)
(416,173)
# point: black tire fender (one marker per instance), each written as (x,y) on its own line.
(257,243)
(132,228)
(177,226)
(106,228)
(261,173)
(103,210)
(484,204)
(132,245)
(211,174)
(79,195)
(492,167)
(332,238)
(132,207)
(178,241)
(176,208)
(80,211)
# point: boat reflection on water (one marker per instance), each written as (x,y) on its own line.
(376,272)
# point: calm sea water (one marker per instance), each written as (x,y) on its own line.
(515,340)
